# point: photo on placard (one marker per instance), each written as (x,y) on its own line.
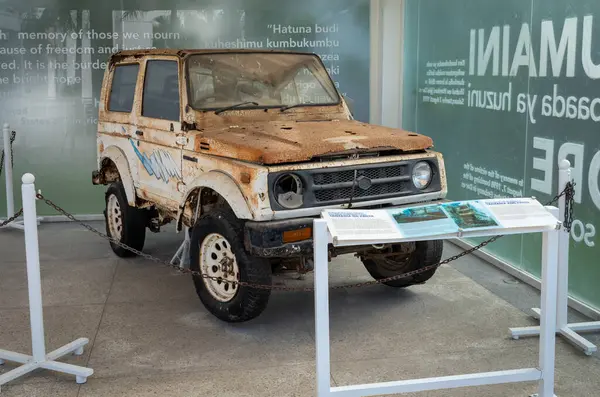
(428,220)
(419,214)
(470,215)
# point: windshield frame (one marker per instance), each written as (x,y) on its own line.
(263,107)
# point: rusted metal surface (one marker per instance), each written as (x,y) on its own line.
(224,159)
(289,141)
(125,55)
(226,178)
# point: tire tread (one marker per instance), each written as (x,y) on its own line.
(250,302)
(134,223)
(427,253)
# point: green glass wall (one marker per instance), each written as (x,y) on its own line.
(506,89)
(53,53)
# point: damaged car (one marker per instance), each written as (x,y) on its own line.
(245,148)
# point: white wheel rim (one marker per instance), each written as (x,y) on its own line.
(114,217)
(218,260)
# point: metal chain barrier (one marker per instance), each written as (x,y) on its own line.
(13,136)
(12,218)
(569,193)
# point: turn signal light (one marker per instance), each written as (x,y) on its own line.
(292,236)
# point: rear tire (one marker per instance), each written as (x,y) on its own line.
(426,253)
(124,223)
(217,250)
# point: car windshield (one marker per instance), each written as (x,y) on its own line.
(221,80)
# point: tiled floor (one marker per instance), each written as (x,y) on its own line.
(150,335)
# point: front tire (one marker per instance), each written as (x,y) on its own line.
(217,250)
(424,253)
(124,223)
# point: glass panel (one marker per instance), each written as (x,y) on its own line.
(123,88)
(51,97)
(161,91)
(270,79)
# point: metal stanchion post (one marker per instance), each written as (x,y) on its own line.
(8,175)
(10,200)
(563,328)
(39,358)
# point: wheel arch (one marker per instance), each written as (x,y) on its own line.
(114,159)
(223,185)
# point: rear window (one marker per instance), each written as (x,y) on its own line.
(122,90)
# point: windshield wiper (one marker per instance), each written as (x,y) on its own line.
(235,106)
(284,108)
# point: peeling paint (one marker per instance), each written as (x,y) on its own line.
(276,142)
(159,163)
(209,158)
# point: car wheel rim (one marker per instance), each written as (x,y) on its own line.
(391,264)
(114,217)
(218,261)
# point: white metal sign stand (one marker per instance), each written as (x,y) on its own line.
(563,328)
(8,176)
(39,358)
(544,374)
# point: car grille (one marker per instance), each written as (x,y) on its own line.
(327,186)
(331,186)
(329,178)
(346,193)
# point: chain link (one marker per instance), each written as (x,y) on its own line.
(569,205)
(13,135)
(569,192)
(12,218)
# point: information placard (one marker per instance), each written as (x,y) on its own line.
(445,220)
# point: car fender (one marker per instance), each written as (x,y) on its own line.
(117,156)
(224,185)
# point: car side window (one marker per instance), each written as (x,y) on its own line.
(161,90)
(122,90)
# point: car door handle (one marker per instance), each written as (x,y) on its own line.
(138,132)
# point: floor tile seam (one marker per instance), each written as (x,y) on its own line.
(196,370)
(99,325)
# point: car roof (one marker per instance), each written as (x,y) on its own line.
(185,52)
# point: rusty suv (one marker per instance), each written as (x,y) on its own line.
(242,149)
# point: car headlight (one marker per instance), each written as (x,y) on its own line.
(421,175)
(288,189)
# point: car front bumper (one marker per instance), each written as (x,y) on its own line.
(266,239)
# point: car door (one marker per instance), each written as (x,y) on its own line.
(158,137)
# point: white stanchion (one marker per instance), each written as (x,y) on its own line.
(8,176)
(563,328)
(544,374)
(39,357)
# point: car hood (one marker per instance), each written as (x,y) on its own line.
(296,141)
